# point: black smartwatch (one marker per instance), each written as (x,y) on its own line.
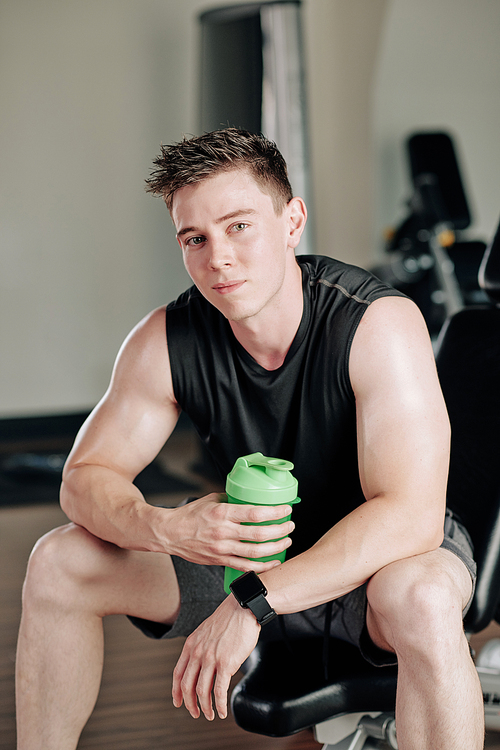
(250,593)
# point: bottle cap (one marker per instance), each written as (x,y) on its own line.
(260,480)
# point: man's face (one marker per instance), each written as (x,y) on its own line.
(235,247)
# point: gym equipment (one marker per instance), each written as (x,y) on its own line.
(427,259)
(351,706)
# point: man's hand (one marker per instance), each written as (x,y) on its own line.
(212,654)
(208,531)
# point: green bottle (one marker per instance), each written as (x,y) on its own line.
(258,480)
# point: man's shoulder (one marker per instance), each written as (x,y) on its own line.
(147,332)
(320,264)
(352,281)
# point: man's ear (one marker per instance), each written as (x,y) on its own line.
(297,217)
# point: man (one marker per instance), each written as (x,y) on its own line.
(303,359)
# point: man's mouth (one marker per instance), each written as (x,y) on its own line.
(225,287)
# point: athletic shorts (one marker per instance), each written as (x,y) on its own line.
(202,591)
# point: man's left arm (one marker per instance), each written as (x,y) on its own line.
(403,452)
(403,436)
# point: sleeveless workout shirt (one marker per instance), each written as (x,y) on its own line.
(304,411)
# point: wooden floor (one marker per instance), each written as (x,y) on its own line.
(134,710)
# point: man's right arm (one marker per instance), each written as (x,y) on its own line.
(121,437)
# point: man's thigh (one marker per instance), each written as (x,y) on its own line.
(106,579)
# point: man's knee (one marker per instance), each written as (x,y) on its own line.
(415,603)
(61,561)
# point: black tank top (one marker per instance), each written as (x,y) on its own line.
(304,411)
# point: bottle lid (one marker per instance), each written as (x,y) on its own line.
(258,479)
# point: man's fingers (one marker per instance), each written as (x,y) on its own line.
(258,513)
(188,687)
(211,531)
(221,689)
(193,686)
(255,533)
(176,680)
(247,554)
(204,692)
(265,549)
(184,682)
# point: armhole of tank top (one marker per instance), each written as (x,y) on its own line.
(347,376)
(169,352)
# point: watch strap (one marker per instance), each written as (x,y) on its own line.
(262,610)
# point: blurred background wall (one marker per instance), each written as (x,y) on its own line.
(88,91)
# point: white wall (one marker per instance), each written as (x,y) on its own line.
(343,38)
(439,67)
(88,91)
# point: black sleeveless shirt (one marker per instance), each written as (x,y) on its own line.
(303,412)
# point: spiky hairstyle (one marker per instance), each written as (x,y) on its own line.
(198,158)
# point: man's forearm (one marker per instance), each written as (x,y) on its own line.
(372,536)
(109,506)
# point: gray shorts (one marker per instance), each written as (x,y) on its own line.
(202,591)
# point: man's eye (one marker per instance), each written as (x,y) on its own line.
(194,241)
(240,226)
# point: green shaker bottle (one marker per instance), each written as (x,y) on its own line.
(258,480)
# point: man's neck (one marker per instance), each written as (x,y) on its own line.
(268,336)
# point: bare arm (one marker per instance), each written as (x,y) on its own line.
(121,437)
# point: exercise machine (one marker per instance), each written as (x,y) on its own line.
(427,255)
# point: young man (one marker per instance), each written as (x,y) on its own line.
(305,359)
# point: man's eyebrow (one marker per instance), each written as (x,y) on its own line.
(233,214)
(221,220)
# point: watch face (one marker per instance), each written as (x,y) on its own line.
(247,586)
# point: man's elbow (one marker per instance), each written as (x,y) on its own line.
(437,539)
(65,500)
(68,491)
(432,532)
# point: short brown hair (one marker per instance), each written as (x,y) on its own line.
(195,159)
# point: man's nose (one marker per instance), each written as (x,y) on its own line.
(221,254)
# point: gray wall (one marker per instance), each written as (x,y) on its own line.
(88,91)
